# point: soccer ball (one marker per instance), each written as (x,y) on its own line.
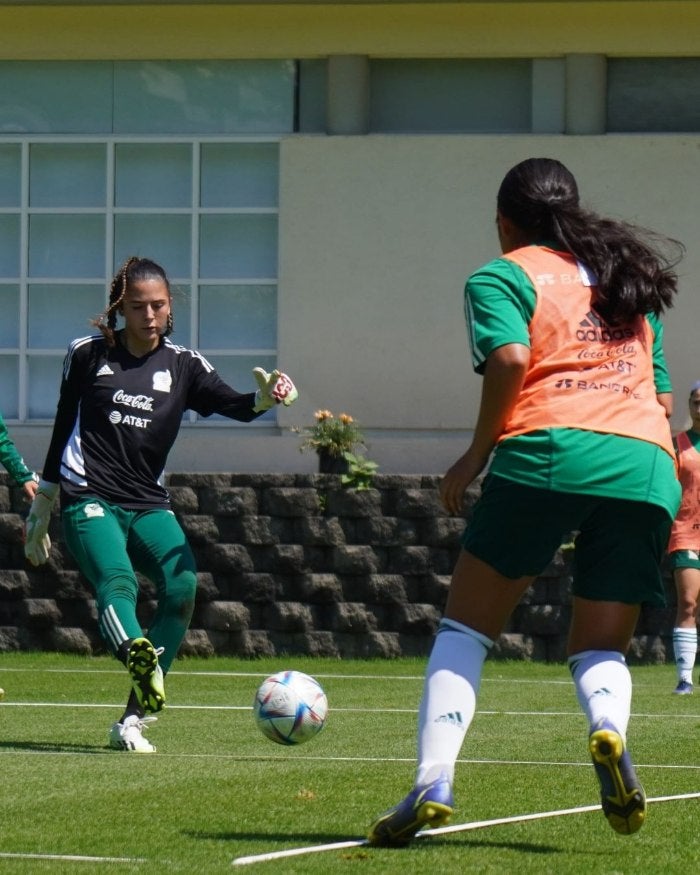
(290,707)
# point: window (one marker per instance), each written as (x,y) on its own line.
(653,95)
(173,161)
(450,96)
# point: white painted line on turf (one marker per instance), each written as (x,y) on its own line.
(283,757)
(102,705)
(258,674)
(71,858)
(441,830)
(296,852)
(463,827)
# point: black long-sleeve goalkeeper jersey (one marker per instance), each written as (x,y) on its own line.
(118,417)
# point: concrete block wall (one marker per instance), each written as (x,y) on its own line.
(295,563)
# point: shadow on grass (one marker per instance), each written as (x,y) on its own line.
(54,747)
(323,838)
(522,847)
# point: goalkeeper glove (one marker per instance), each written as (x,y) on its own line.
(36,529)
(273,388)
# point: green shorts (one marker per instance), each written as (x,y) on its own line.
(619,544)
(684,559)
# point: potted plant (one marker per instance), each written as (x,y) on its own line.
(332,437)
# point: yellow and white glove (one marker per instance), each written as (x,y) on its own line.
(274,388)
(36,529)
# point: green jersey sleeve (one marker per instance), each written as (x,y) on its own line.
(662,379)
(10,457)
(499,302)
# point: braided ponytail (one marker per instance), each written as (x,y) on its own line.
(132,271)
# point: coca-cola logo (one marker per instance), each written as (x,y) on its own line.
(140,402)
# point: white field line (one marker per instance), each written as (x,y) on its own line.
(296,757)
(93,705)
(442,830)
(71,858)
(256,758)
(263,675)
(490,713)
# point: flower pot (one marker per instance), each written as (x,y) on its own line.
(330,464)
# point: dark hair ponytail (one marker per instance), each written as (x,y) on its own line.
(633,266)
(133,270)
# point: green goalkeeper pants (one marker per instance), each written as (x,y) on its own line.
(110,545)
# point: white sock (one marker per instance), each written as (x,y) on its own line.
(452,682)
(685,646)
(603,687)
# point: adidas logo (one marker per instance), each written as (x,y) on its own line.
(105,371)
(591,318)
(455,718)
(592,328)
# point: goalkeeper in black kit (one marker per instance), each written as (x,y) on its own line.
(123,395)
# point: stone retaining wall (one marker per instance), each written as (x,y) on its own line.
(298,564)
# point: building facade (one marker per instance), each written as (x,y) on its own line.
(318,179)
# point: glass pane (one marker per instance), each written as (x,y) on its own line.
(653,94)
(9,246)
(203,97)
(237,371)
(181,310)
(10,176)
(67,175)
(71,308)
(9,320)
(238,247)
(165,239)
(44,378)
(158,175)
(64,97)
(313,93)
(238,317)
(240,175)
(66,246)
(451,96)
(9,386)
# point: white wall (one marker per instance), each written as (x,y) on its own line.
(377,235)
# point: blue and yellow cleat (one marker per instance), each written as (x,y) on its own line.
(428,805)
(622,796)
(684,688)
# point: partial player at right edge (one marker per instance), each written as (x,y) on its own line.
(684,549)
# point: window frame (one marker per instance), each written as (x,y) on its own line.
(23,353)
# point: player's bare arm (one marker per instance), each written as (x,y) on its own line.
(504,375)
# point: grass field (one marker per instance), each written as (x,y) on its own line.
(217,790)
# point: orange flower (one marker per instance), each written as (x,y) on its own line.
(335,435)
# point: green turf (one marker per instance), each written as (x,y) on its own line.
(218,790)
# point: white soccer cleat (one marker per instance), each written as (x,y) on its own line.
(129,735)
